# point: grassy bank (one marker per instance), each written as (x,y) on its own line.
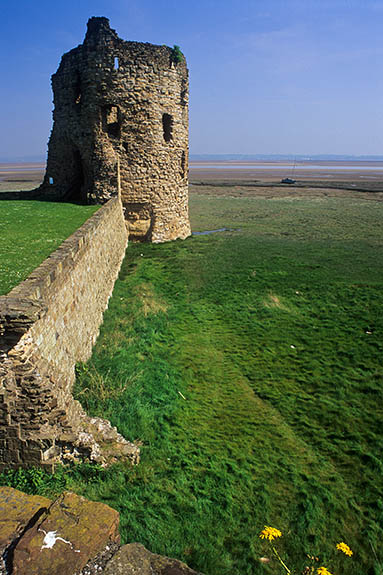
(30,231)
(249,364)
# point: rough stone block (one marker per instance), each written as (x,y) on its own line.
(73,531)
(134,559)
(17,511)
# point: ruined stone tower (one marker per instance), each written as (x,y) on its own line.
(121,128)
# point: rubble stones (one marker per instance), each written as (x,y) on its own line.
(96,565)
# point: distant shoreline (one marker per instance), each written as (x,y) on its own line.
(15,166)
(289,164)
(29,175)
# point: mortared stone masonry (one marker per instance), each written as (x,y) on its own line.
(48,323)
(120,127)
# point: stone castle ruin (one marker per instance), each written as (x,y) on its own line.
(121,128)
(119,138)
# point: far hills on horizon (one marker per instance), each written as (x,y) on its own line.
(235,158)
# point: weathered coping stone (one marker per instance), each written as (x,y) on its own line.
(134,559)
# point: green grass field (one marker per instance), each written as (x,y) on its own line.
(30,231)
(249,365)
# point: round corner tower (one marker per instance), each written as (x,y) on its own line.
(120,127)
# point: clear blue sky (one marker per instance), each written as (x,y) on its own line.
(266,76)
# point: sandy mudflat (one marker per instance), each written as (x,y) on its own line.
(363,174)
(15,177)
(345,171)
(19,166)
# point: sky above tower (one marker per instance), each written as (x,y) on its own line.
(266,76)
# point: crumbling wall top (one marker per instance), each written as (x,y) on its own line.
(99,31)
(121,129)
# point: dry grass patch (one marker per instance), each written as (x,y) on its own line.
(117,338)
(274,301)
(151,304)
(100,384)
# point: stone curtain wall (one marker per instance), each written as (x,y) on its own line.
(47,324)
(121,124)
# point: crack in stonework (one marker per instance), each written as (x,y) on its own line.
(10,550)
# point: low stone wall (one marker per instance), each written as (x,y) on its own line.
(47,324)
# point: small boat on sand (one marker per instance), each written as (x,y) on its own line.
(290,180)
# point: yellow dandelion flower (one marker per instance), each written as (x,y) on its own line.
(270,533)
(345,548)
(323,571)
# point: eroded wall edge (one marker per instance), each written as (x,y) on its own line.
(47,324)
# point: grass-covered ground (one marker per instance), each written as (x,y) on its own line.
(30,231)
(249,365)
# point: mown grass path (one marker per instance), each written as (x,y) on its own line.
(249,364)
(273,334)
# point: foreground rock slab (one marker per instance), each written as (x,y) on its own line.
(73,531)
(70,536)
(18,512)
(134,559)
